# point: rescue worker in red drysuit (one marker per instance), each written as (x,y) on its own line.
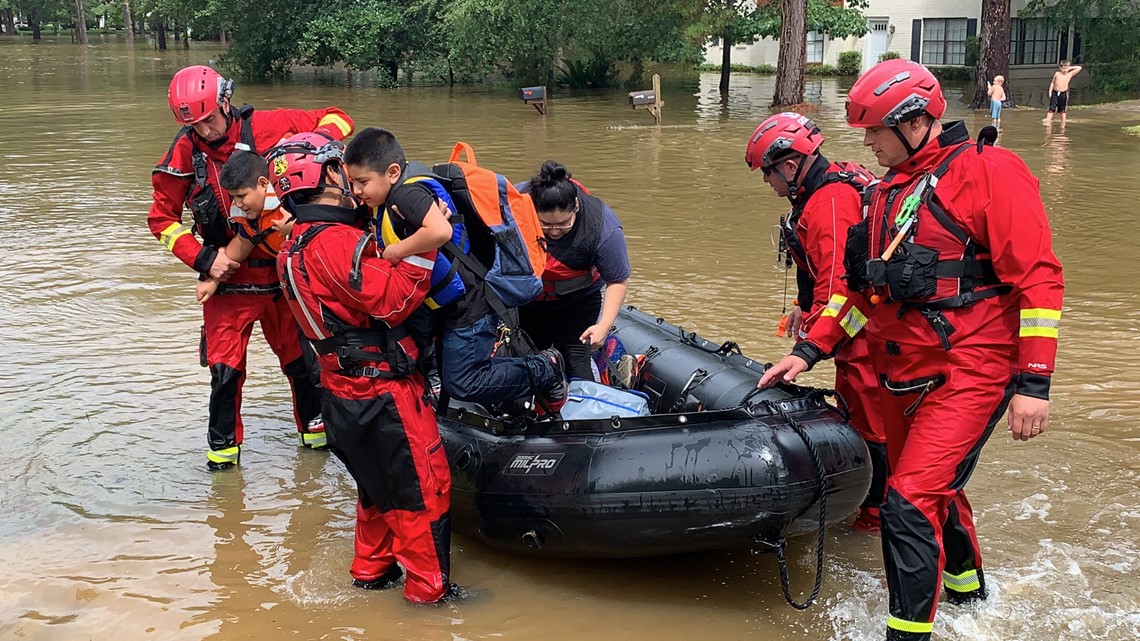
(188,175)
(826,200)
(352,304)
(966,309)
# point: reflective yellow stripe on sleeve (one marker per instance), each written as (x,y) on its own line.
(964,582)
(902,625)
(853,322)
(172,233)
(334,119)
(834,305)
(1041,322)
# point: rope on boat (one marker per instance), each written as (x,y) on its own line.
(779,546)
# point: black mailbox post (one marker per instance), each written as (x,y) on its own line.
(649,99)
(534,96)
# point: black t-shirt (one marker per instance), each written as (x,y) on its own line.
(414,200)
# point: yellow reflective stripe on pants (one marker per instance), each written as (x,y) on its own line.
(853,322)
(1041,322)
(964,582)
(172,233)
(835,305)
(227,455)
(902,625)
(341,123)
(314,439)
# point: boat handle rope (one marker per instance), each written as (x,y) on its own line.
(779,546)
(840,402)
(691,339)
(699,376)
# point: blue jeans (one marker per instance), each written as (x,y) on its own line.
(471,374)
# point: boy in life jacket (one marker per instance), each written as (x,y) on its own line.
(587,252)
(963,292)
(261,223)
(407,206)
(187,177)
(352,304)
(826,200)
(255,213)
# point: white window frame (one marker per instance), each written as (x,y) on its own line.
(814,48)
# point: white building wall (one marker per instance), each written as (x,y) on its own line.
(899,15)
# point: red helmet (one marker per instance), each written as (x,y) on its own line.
(299,162)
(779,136)
(195,92)
(893,92)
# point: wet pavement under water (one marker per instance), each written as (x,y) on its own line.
(111,528)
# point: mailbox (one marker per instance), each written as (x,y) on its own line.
(531,94)
(646,98)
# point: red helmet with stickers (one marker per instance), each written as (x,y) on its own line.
(298,163)
(779,136)
(195,92)
(893,92)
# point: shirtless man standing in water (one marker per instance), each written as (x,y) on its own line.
(1059,92)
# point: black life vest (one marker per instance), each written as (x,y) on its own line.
(375,351)
(937,266)
(570,264)
(207,201)
(848,173)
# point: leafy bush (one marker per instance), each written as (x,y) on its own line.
(849,63)
(586,74)
(739,68)
(973,49)
(952,74)
(820,70)
(890,55)
(1118,78)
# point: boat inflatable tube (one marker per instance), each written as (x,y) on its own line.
(717,464)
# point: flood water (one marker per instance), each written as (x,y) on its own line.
(112,529)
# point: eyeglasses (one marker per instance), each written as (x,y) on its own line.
(566,226)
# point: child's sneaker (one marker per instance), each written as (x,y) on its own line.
(553,398)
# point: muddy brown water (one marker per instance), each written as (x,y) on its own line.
(111,529)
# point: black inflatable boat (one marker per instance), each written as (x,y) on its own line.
(742,469)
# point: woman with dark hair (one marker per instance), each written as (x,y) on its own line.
(584,283)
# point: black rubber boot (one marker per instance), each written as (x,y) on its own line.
(454,592)
(389,579)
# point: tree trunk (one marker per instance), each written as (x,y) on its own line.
(10,22)
(222,37)
(186,39)
(161,29)
(80,23)
(127,24)
(177,32)
(725,63)
(993,50)
(34,21)
(793,53)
